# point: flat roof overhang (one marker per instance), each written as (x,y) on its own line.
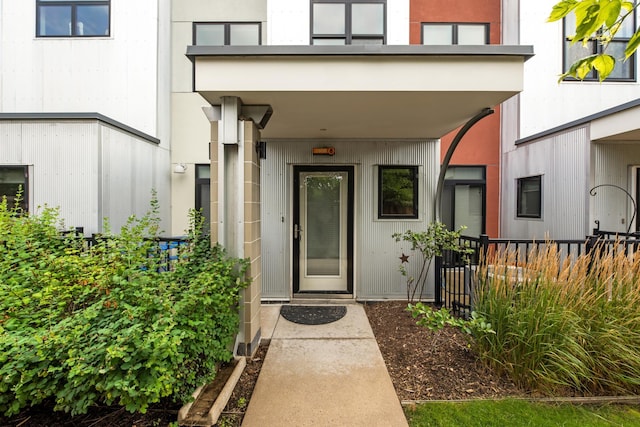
(361,91)
(620,124)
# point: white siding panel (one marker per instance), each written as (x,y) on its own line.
(289,22)
(376,253)
(116,75)
(563,162)
(612,165)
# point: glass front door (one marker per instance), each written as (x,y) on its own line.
(323,229)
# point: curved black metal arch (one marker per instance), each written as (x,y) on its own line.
(447,158)
(635,207)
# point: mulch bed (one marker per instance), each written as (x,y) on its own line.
(428,365)
(423,365)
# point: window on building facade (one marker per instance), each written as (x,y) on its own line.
(397,192)
(14,181)
(623,71)
(341,22)
(203,194)
(73,18)
(455,33)
(529,200)
(463,199)
(227,33)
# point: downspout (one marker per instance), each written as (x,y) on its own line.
(447,158)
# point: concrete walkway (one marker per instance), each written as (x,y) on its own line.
(323,375)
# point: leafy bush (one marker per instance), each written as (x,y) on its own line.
(474,326)
(429,243)
(104,325)
(557,325)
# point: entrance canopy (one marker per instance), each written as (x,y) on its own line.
(361,91)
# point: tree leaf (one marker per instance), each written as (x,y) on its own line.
(610,13)
(604,64)
(628,6)
(588,21)
(561,10)
(632,45)
(580,68)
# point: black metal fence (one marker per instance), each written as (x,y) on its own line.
(165,252)
(454,272)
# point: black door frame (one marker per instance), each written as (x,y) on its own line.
(295,243)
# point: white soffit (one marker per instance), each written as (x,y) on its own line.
(620,126)
(362,92)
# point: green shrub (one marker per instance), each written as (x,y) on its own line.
(435,320)
(103,325)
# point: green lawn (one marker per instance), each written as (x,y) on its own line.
(520,413)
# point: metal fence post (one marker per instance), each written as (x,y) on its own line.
(438,281)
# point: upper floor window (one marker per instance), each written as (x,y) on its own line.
(340,22)
(623,71)
(226,33)
(452,33)
(72,18)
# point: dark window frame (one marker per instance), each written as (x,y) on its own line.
(415,208)
(199,183)
(597,48)
(477,182)
(519,189)
(74,18)
(25,186)
(348,34)
(454,29)
(227,29)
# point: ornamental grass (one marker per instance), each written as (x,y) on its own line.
(563,324)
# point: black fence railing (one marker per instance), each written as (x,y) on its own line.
(166,252)
(455,273)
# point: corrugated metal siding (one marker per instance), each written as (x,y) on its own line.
(563,162)
(612,165)
(10,143)
(64,173)
(72,169)
(376,254)
(129,166)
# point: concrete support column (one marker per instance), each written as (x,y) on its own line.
(235,208)
(250,322)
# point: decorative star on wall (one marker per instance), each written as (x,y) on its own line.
(404,258)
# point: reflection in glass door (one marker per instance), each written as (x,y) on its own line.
(322,229)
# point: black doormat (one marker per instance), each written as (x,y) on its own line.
(313,315)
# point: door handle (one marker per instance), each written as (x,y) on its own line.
(297,232)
